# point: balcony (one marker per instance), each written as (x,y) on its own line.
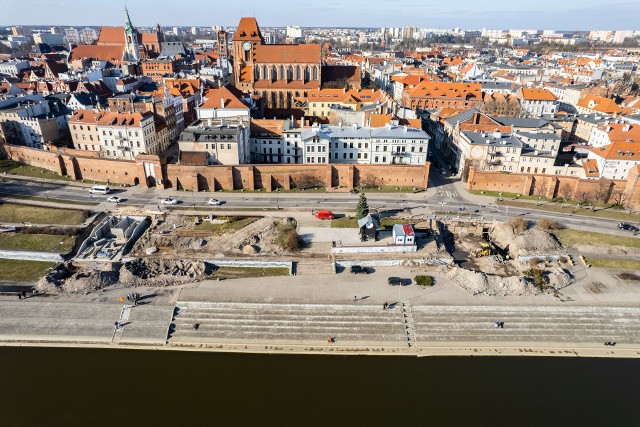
(494,162)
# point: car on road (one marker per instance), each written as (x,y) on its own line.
(357,269)
(169,201)
(324,215)
(396,281)
(214,202)
(100,189)
(115,199)
(629,227)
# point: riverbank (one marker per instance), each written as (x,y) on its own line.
(620,351)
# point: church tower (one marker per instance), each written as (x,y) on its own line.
(131,46)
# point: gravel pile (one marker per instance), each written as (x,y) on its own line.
(486,284)
(531,242)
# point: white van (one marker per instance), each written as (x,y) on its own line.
(100,189)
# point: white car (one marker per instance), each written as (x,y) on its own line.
(214,202)
(169,201)
(115,199)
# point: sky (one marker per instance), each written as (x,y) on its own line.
(468,14)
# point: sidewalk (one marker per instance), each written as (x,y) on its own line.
(70,183)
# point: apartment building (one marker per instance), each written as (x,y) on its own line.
(216,142)
(537,102)
(32,121)
(391,144)
(610,132)
(119,135)
(616,160)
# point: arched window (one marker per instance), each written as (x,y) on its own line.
(306,74)
(265,72)
(298,73)
(256,72)
(281,76)
(315,73)
(290,73)
(274,73)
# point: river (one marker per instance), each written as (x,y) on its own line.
(89,387)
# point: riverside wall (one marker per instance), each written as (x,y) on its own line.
(149,170)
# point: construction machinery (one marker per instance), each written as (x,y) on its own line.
(485,249)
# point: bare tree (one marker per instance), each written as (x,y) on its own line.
(601,194)
(369,181)
(618,197)
(540,191)
(583,198)
(308,181)
(564,192)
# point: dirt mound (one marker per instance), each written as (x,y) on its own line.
(486,284)
(163,272)
(558,279)
(531,242)
(68,278)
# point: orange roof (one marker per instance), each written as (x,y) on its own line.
(123,119)
(248,29)
(150,38)
(590,167)
(86,116)
(111,35)
(287,54)
(600,104)
(622,132)
(104,53)
(379,120)
(531,94)
(619,151)
(266,127)
(427,89)
(183,87)
(225,97)
(411,79)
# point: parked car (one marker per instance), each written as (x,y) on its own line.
(7,229)
(395,281)
(324,215)
(214,202)
(115,199)
(357,269)
(169,201)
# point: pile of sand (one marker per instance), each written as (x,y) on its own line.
(531,242)
(558,279)
(486,284)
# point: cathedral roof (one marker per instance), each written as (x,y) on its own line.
(248,29)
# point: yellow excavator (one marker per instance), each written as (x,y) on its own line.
(485,249)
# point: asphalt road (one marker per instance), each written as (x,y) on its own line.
(443,197)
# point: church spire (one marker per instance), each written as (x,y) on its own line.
(128,26)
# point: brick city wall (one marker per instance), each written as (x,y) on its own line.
(552,186)
(211,178)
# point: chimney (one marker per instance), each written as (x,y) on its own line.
(221,102)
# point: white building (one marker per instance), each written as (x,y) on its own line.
(391,144)
(48,38)
(72,35)
(13,68)
(294,32)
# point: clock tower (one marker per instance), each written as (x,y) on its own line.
(246,38)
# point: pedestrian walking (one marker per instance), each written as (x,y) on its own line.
(24,294)
(19,295)
(384,306)
(355,298)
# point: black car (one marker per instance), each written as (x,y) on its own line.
(395,281)
(356,269)
(625,226)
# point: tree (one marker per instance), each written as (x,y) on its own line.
(601,195)
(362,209)
(564,192)
(369,181)
(308,181)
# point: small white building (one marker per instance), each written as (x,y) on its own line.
(404,235)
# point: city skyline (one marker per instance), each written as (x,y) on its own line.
(572,15)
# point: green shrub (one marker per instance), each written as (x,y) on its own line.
(424,280)
(537,276)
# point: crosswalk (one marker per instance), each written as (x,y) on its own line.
(449,194)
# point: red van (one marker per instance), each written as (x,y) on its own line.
(324,215)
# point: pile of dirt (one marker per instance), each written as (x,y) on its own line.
(68,278)
(163,272)
(531,242)
(558,279)
(485,284)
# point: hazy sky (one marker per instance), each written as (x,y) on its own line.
(472,14)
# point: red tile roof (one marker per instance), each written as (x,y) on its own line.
(225,97)
(287,54)
(248,29)
(531,94)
